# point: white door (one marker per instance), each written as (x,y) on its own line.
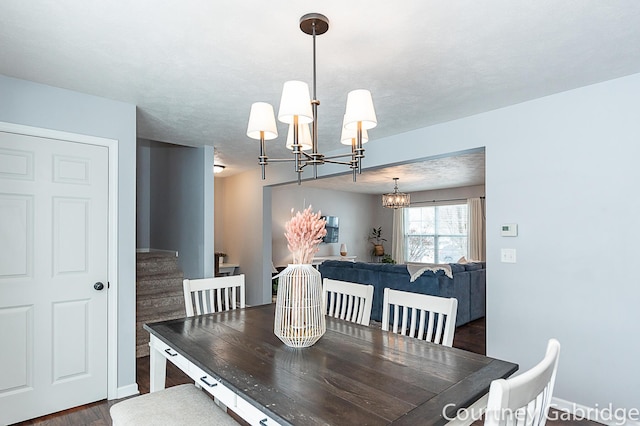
(53,249)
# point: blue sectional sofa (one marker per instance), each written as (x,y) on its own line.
(468,284)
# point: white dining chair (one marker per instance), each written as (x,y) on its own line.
(524,399)
(210,295)
(421,316)
(347,301)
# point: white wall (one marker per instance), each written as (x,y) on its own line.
(37,105)
(354,212)
(560,167)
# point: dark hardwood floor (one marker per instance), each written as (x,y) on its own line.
(469,337)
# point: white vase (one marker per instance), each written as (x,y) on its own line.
(299,320)
(343,249)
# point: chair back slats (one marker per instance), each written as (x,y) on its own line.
(209,295)
(524,400)
(413,312)
(347,301)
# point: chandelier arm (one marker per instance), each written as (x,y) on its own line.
(281,160)
(331,157)
(289,159)
(343,163)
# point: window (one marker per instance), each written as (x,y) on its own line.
(435,234)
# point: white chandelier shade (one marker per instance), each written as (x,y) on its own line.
(295,101)
(360,109)
(349,137)
(261,119)
(304,137)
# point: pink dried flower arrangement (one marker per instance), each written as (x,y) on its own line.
(304,232)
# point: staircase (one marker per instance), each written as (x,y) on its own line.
(159,295)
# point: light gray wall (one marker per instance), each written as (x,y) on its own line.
(32,104)
(206,252)
(354,211)
(143,194)
(219,218)
(181,205)
(560,167)
(246,225)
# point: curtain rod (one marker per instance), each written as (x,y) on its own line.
(443,201)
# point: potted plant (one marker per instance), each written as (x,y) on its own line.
(376,239)
(387,259)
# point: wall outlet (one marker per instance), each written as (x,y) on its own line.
(508,255)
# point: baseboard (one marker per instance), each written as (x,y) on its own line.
(126,391)
(608,415)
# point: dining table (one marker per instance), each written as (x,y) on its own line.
(354,375)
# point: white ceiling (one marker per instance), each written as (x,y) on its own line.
(194,67)
(460,169)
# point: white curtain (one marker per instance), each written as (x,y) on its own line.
(477,248)
(397,240)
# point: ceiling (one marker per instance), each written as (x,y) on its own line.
(194,67)
(459,169)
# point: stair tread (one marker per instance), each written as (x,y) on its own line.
(156,254)
(159,282)
(142,275)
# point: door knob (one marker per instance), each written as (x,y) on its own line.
(98,286)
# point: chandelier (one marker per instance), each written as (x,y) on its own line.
(298,110)
(395,199)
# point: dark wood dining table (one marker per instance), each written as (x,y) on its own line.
(354,375)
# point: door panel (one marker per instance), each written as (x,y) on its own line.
(70,235)
(16,225)
(70,351)
(53,248)
(19,377)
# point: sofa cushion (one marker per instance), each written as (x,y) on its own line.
(457,267)
(473,266)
